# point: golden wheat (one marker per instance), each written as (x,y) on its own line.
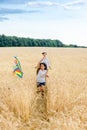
(64,106)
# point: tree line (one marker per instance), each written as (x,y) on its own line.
(13,41)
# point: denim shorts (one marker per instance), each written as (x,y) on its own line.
(41,84)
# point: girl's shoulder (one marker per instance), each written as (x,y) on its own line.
(41,71)
(45,71)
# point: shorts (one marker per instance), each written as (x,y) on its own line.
(41,84)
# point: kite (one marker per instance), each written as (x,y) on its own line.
(17,69)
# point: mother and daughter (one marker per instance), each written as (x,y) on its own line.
(42,72)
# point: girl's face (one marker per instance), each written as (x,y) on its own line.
(42,67)
(15,61)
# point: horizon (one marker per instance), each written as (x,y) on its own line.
(63,20)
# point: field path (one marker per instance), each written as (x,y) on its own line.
(40,105)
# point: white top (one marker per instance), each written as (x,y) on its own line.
(41,76)
(46,61)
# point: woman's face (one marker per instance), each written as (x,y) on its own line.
(44,55)
(42,67)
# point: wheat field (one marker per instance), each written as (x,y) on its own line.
(64,105)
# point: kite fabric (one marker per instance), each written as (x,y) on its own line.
(17,69)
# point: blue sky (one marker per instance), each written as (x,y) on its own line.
(65,20)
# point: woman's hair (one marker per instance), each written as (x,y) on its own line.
(40,67)
(44,53)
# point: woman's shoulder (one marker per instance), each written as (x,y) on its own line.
(47,59)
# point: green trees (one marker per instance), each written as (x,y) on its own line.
(13,41)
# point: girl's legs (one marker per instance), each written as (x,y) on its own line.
(38,89)
(42,88)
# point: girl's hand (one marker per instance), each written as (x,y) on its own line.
(47,76)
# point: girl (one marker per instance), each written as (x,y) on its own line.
(41,77)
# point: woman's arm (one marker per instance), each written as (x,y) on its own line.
(37,66)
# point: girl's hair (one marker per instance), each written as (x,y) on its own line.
(40,67)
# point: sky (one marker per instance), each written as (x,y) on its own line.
(65,20)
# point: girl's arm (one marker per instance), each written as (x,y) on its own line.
(47,74)
(37,66)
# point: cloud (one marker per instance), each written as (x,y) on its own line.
(3,19)
(77,4)
(40,3)
(14,1)
(5,11)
